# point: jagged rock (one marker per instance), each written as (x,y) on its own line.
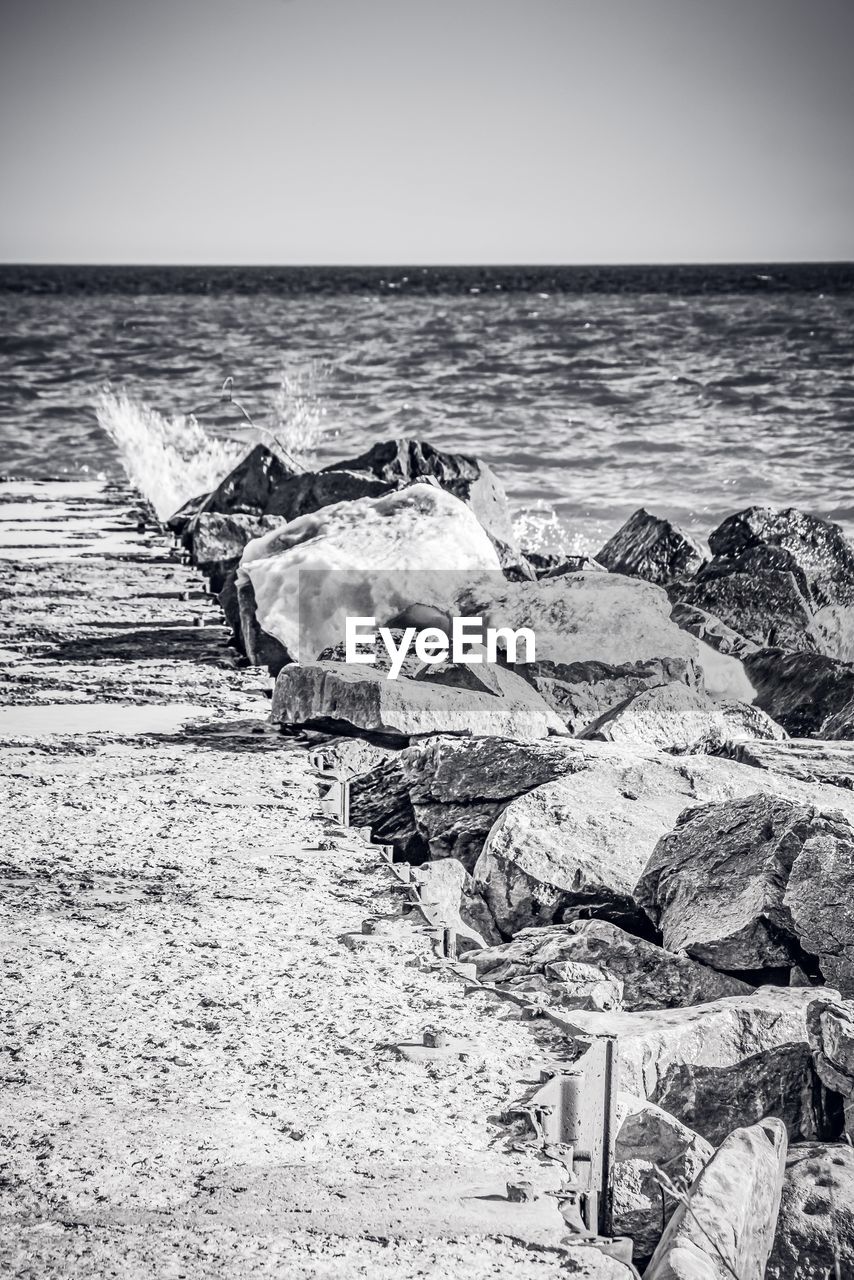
(421,532)
(310,491)
(249,487)
(682,720)
(820,898)
(332,694)
(588,617)
(830,1029)
(734,1202)
(768,609)
(714,1066)
(803,692)
(715,885)
(815,1226)
(756,883)
(834,624)
(578,845)
(651,548)
(650,977)
(261,648)
(178,522)
(600,638)
(815,550)
(353,757)
(840,726)
(401,461)
(216,541)
(706,627)
(581,692)
(649,1142)
(444,793)
(830,763)
(570,564)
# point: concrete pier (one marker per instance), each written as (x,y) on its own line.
(199,1077)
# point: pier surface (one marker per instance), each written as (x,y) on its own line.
(199,1077)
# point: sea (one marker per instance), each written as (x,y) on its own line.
(693,391)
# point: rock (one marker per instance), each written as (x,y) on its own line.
(401,461)
(581,692)
(834,624)
(814,550)
(768,609)
(714,1066)
(578,845)
(332,695)
(734,1201)
(304,494)
(363,556)
(715,885)
(815,1226)
(840,726)
(809,760)
(261,648)
(570,564)
(706,627)
(589,617)
(444,793)
(651,548)
(249,487)
(803,692)
(182,517)
(830,1029)
(756,883)
(354,757)
(600,638)
(216,541)
(649,1142)
(650,977)
(449,890)
(746,723)
(682,720)
(820,899)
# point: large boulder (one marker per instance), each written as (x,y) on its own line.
(767,609)
(582,692)
(401,462)
(725,1225)
(578,845)
(808,759)
(830,1029)
(715,885)
(756,883)
(335,696)
(442,794)
(815,551)
(803,692)
(367,559)
(683,720)
(600,638)
(650,1142)
(815,1225)
(650,977)
(249,487)
(714,1066)
(649,547)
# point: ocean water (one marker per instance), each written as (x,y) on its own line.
(592,391)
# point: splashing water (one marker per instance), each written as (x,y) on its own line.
(169,460)
(538,528)
(299,413)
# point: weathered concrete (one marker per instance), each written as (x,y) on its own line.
(201,1078)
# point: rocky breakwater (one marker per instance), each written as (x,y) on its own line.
(625,824)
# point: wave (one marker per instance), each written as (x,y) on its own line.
(169,460)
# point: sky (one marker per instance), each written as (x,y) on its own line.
(444,131)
